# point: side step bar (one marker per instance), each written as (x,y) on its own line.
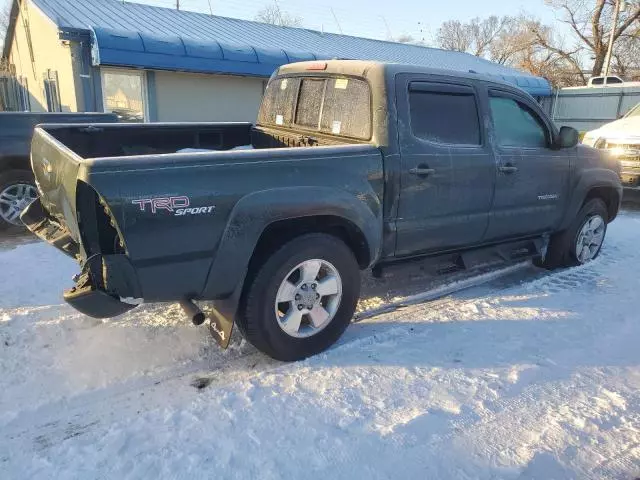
(444,264)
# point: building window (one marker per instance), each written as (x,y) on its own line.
(51,91)
(124,94)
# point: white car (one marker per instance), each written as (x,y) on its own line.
(622,139)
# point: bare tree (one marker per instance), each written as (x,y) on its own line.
(273,15)
(626,57)
(527,43)
(406,39)
(560,52)
(454,35)
(591,23)
(475,37)
(5,16)
(520,42)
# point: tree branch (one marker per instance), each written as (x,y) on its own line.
(566,55)
(627,23)
(595,23)
(572,22)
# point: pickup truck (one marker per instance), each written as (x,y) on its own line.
(352,165)
(622,139)
(17,188)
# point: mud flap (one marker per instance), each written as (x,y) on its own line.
(222,317)
(221,326)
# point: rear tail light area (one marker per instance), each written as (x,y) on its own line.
(97,223)
(317,66)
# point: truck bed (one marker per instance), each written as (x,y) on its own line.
(118,140)
(120,194)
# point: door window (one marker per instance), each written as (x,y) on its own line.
(445,117)
(125,95)
(515,125)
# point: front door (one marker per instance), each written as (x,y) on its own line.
(447,169)
(532,177)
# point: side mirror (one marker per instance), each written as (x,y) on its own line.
(567,138)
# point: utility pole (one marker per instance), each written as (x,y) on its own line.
(620,5)
(177,4)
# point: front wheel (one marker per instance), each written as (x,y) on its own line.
(302,298)
(582,241)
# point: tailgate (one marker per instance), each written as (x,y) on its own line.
(107,277)
(53,216)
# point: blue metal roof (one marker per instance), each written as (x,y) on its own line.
(131,34)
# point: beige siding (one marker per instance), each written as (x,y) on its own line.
(49,52)
(207,98)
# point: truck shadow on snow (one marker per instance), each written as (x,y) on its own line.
(562,343)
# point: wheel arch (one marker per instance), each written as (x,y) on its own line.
(594,183)
(262,221)
(279,232)
(609,195)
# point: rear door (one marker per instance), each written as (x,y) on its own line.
(532,178)
(447,168)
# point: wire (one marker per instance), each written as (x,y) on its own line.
(315,16)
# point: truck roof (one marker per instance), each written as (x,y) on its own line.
(363,68)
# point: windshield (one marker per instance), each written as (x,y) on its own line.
(333,106)
(634,112)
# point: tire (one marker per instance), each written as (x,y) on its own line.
(563,246)
(264,322)
(10,186)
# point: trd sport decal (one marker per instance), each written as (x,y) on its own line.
(178,206)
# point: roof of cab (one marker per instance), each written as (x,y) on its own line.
(364,68)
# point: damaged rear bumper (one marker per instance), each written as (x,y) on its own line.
(105,280)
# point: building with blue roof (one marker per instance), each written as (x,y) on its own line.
(159,64)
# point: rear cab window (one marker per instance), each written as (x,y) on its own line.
(337,106)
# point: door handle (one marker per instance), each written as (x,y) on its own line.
(422,171)
(508,169)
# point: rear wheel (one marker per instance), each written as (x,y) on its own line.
(302,298)
(17,191)
(582,241)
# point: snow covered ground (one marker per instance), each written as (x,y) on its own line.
(529,376)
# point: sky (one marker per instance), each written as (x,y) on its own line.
(370,18)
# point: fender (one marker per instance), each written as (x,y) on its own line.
(590,179)
(256,211)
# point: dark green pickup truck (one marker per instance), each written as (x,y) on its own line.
(350,165)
